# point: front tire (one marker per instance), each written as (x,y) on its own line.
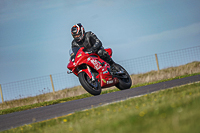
(124,83)
(92,87)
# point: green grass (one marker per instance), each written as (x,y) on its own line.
(36,105)
(169,111)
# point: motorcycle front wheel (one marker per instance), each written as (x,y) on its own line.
(93,87)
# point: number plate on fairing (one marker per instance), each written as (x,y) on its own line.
(110,82)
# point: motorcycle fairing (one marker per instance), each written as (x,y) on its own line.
(95,62)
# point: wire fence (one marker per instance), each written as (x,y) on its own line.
(42,85)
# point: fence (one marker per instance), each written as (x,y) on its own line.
(51,83)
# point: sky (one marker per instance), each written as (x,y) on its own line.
(35,35)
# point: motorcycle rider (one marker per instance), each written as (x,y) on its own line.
(91,43)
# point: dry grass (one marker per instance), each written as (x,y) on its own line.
(167,73)
(75,91)
(151,76)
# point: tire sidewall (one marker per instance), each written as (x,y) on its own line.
(123,85)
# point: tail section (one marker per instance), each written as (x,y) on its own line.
(109,50)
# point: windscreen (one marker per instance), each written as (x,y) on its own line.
(73,52)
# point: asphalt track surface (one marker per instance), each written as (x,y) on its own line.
(16,119)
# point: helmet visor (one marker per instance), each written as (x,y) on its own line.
(76,35)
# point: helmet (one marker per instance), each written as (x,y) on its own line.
(78,32)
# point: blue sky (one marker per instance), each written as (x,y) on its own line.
(35,35)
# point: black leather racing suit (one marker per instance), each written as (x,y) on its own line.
(91,43)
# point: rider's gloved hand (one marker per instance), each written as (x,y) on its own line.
(92,50)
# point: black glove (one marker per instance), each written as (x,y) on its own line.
(92,50)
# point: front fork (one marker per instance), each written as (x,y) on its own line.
(93,78)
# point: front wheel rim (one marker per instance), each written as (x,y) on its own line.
(93,84)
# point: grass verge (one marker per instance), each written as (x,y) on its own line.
(173,110)
(36,105)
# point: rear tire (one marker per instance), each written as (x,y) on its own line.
(124,83)
(93,88)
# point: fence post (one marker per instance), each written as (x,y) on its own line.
(1,94)
(52,83)
(157,62)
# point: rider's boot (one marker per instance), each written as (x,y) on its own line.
(106,57)
(115,67)
(112,63)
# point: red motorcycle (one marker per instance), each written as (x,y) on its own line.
(94,73)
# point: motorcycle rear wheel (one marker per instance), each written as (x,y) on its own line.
(93,87)
(124,83)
